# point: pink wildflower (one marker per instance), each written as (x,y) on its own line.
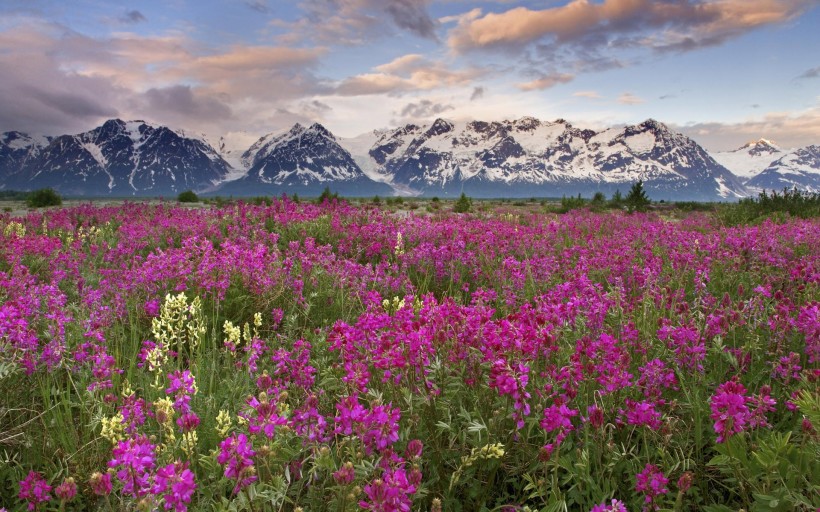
(175,483)
(35,490)
(652,483)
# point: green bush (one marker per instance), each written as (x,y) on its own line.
(327,195)
(795,203)
(44,197)
(464,204)
(188,197)
(637,200)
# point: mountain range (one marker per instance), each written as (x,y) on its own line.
(526,157)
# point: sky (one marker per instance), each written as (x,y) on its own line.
(723,72)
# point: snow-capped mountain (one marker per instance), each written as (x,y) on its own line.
(799,168)
(122,158)
(528,157)
(16,149)
(750,159)
(303,160)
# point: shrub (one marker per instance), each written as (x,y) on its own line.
(774,205)
(637,200)
(44,197)
(327,195)
(188,197)
(464,204)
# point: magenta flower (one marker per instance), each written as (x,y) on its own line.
(66,490)
(380,427)
(188,421)
(34,490)
(558,417)
(236,454)
(134,460)
(345,475)
(182,387)
(175,483)
(263,416)
(729,409)
(652,483)
(414,449)
(390,493)
(101,483)
(614,506)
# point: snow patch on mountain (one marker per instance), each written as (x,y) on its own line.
(750,159)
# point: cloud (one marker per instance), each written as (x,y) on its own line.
(407,73)
(411,15)
(587,94)
(402,64)
(315,109)
(789,130)
(372,83)
(67,82)
(810,73)
(679,25)
(423,109)
(133,17)
(628,98)
(478,93)
(357,22)
(183,102)
(545,82)
(260,6)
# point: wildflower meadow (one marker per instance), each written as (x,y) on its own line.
(338,357)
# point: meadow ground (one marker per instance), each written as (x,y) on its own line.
(394,356)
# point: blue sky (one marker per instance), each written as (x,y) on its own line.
(722,71)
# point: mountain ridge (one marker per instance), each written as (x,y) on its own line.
(523,157)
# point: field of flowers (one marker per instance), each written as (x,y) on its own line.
(300,357)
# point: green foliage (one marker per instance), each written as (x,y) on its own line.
(44,197)
(463,205)
(774,205)
(637,200)
(570,203)
(694,206)
(13,195)
(376,200)
(617,201)
(189,196)
(327,195)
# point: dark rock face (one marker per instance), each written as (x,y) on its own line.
(302,161)
(122,159)
(799,168)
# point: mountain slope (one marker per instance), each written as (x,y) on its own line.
(528,157)
(123,158)
(16,149)
(799,168)
(303,161)
(750,159)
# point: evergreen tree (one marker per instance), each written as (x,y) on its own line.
(463,205)
(637,200)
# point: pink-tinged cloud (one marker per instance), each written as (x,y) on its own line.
(657,24)
(628,98)
(545,82)
(594,95)
(357,22)
(65,81)
(372,83)
(402,64)
(407,73)
(787,129)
